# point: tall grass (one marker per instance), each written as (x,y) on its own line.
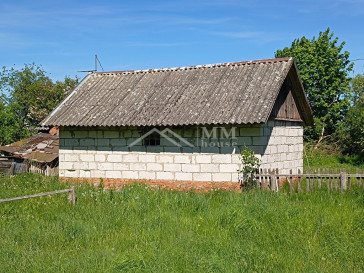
(327,156)
(139,229)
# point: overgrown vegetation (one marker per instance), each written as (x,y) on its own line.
(139,229)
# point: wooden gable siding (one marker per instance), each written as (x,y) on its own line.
(286,107)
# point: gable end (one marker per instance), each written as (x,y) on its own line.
(291,103)
(286,107)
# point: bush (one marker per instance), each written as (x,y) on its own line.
(250,167)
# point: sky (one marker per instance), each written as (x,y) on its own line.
(64,36)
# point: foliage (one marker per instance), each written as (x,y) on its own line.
(28,96)
(351,133)
(11,127)
(324,69)
(250,166)
(354,129)
(139,229)
(357,87)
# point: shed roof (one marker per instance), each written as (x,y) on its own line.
(226,93)
(41,147)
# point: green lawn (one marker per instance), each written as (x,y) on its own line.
(139,229)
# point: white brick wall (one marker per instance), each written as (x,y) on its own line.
(285,147)
(201,177)
(103,152)
(183,176)
(203,159)
(154,167)
(165,175)
(147,175)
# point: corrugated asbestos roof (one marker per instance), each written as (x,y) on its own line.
(228,93)
(41,147)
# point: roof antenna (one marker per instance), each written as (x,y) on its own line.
(98,61)
(95,62)
(95,70)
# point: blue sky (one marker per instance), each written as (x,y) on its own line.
(63,36)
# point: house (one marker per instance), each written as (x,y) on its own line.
(182,127)
(37,154)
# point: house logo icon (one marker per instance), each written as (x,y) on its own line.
(163,134)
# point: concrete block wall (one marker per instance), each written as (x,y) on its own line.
(284,148)
(104,152)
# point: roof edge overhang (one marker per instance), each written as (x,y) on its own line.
(161,125)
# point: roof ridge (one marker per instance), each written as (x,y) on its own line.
(264,61)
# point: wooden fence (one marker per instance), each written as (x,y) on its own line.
(50,169)
(11,166)
(311,179)
(71,197)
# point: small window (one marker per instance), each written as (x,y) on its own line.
(154,139)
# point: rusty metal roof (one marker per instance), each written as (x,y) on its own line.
(41,147)
(226,93)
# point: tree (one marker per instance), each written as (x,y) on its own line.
(33,91)
(357,87)
(351,134)
(324,68)
(10,125)
(28,95)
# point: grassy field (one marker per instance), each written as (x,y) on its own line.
(139,229)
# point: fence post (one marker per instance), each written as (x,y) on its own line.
(299,181)
(72,196)
(308,180)
(290,179)
(343,181)
(277,180)
(272,181)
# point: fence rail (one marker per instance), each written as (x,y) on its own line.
(311,179)
(71,197)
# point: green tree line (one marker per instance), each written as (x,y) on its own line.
(27,96)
